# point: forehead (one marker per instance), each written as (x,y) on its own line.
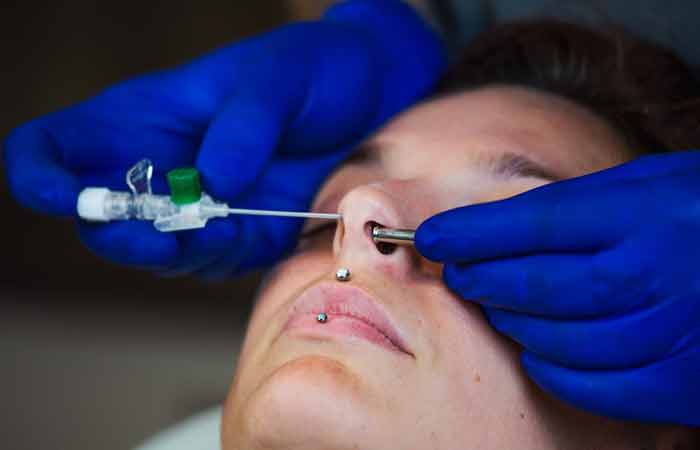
(550,130)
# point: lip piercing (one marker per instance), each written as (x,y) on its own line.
(342,274)
(321,317)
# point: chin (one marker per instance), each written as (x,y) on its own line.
(308,403)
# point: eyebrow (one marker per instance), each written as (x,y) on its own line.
(506,164)
(515,164)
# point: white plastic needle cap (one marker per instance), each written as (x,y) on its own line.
(91,204)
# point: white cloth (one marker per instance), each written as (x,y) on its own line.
(199,432)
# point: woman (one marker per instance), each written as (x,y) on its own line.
(390,358)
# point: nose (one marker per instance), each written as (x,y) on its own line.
(363,208)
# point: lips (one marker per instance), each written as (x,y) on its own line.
(350,312)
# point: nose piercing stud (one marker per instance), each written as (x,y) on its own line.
(321,317)
(342,274)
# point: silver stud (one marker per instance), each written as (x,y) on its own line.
(342,274)
(322,317)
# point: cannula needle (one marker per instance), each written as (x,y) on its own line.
(268,212)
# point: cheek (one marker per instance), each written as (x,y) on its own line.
(471,361)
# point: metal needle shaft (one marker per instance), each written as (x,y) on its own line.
(267,212)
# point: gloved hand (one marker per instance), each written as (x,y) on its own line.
(264,121)
(597,278)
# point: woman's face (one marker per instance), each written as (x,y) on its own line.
(442,379)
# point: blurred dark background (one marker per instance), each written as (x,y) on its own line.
(93,355)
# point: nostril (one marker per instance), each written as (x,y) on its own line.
(385,248)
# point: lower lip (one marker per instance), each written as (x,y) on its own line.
(339,325)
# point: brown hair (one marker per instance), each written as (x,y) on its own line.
(645,91)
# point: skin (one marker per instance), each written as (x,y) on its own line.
(463,386)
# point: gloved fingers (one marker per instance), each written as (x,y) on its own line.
(550,218)
(199,248)
(136,119)
(564,286)
(131,243)
(552,285)
(237,146)
(607,342)
(664,391)
(304,115)
(109,132)
(35,173)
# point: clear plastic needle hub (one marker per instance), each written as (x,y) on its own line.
(186,208)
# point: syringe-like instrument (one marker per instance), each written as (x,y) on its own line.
(188,207)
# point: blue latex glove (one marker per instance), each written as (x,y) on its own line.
(264,120)
(597,278)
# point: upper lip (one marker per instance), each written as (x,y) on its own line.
(345,300)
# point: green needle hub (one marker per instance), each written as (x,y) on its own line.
(184,186)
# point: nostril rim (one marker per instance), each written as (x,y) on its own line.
(369,226)
(385,248)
